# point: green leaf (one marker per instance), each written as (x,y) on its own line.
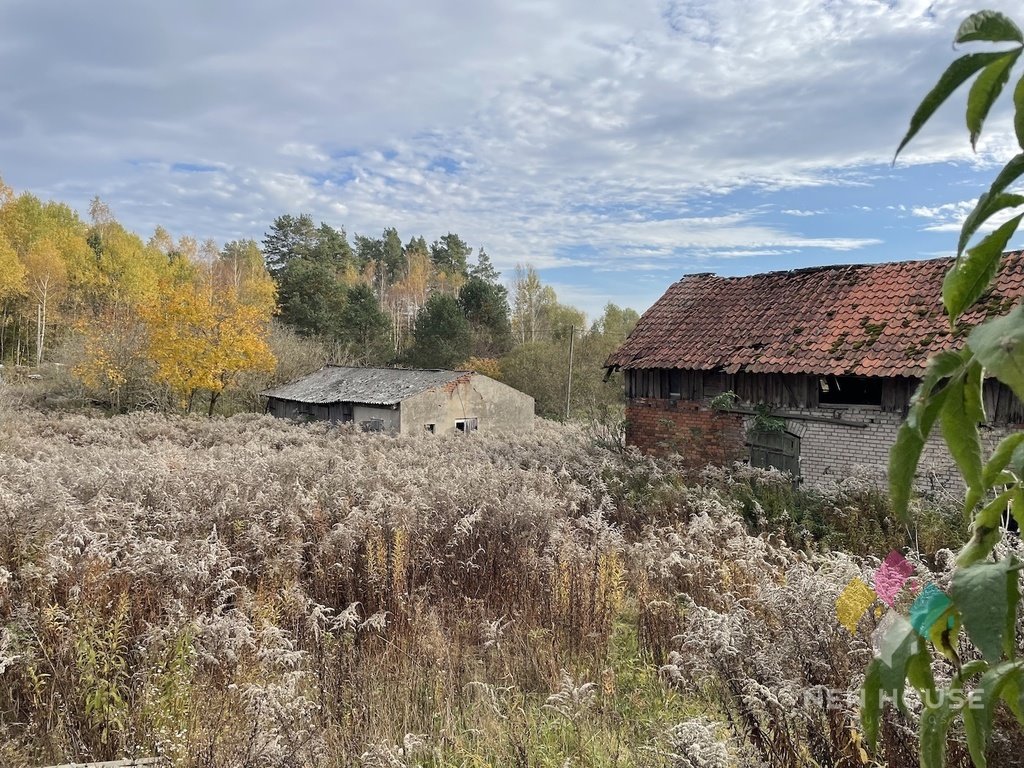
(985,531)
(939,713)
(1000,458)
(990,26)
(961,414)
(919,673)
(1012,601)
(935,722)
(1017,506)
(1009,174)
(955,75)
(871,702)
(1018,111)
(910,439)
(984,209)
(981,704)
(986,90)
(982,596)
(999,346)
(967,671)
(1013,697)
(941,366)
(970,276)
(893,676)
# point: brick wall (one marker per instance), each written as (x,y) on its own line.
(701,435)
(834,442)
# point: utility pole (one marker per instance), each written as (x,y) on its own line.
(568,382)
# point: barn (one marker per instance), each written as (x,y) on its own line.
(403,401)
(809,370)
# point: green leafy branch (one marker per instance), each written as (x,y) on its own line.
(985,592)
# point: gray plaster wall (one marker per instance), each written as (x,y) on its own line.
(498,407)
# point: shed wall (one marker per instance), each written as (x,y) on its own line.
(795,390)
(497,406)
(835,441)
(363,414)
(289,409)
(833,449)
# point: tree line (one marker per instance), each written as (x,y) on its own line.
(167,322)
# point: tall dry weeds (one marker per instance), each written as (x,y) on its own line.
(250,592)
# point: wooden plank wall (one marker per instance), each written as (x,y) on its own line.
(796,391)
(785,390)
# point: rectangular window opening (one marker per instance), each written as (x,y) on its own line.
(466,425)
(429,428)
(675,384)
(849,390)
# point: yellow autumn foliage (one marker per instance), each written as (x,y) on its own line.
(12,272)
(204,332)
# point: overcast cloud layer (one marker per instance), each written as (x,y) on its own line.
(615,145)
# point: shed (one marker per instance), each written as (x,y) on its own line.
(403,400)
(827,356)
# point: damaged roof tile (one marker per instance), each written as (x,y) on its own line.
(867,319)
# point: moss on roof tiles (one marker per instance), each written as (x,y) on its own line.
(821,320)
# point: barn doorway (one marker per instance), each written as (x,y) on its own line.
(778,449)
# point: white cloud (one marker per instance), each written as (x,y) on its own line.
(564,134)
(949,217)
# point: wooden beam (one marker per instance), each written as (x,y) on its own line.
(782,414)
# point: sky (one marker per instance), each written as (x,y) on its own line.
(615,145)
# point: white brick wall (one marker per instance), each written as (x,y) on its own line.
(831,450)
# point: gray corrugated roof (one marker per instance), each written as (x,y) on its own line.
(373,386)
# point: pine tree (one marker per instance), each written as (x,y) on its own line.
(363,328)
(442,336)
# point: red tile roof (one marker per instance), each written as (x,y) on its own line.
(868,320)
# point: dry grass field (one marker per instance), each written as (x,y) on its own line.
(247,592)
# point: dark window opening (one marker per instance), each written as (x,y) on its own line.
(347,413)
(466,425)
(675,384)
(373,425)
(429,428)
(849,390)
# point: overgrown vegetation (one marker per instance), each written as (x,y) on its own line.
(250,592)
(852,515)
(977,682)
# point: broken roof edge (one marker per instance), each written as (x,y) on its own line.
(826,268)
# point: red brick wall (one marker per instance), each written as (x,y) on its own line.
(700,435)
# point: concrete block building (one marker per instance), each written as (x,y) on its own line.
(403,401)
(834,352)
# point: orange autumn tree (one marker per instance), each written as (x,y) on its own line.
(208,324)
